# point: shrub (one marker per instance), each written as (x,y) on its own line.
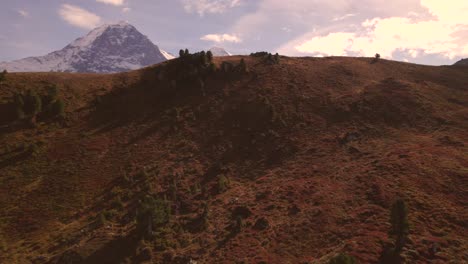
(51,96)
(152,215)
(223,184)
(58,108)
(259,54)
(342,259)
(377,56)
(32,103)
(267,57)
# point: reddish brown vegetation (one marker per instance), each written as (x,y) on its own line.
(314,150)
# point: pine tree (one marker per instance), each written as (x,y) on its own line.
(277,58)
(243,66)
(399,223)
(3,76)
(181,53)
(203,58)
(209,56)
(19,105)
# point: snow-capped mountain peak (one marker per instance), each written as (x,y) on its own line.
(219,52)
(108,48)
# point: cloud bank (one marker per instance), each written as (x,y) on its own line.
(112,2)
(79,17)
(220,38)
(203,7)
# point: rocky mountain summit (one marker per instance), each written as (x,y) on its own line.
(106,49)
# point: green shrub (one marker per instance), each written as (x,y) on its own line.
(342,259)
(223,184)
(58,108)
(3,75)
(32,103)
(152,215)
(261,54)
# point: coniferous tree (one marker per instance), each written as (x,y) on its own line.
(203,58)
(399,223)
(3,75)
(243,66)
(209,56)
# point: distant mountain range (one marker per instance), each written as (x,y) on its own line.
(106,49)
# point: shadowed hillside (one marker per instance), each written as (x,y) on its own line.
(283,160)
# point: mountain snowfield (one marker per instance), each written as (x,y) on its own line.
(219,52)
(106,49)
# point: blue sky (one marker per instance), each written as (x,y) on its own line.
(420,31)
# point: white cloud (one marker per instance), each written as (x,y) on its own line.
(79,17)
(418,30)
(343,17)
(203,7)
(23,13)
(126,9)
(112,2)
(219,38)
(444,35)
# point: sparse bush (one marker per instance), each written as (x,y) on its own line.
(223,184)
(58,108)
(101,220)
(152,215)
(261,54)
(32,103)
(267,57)
(117,203)
(51,96)
(342,259)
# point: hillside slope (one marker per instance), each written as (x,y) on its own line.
(286,163)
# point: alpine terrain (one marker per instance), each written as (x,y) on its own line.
(239,159)
(106,49)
